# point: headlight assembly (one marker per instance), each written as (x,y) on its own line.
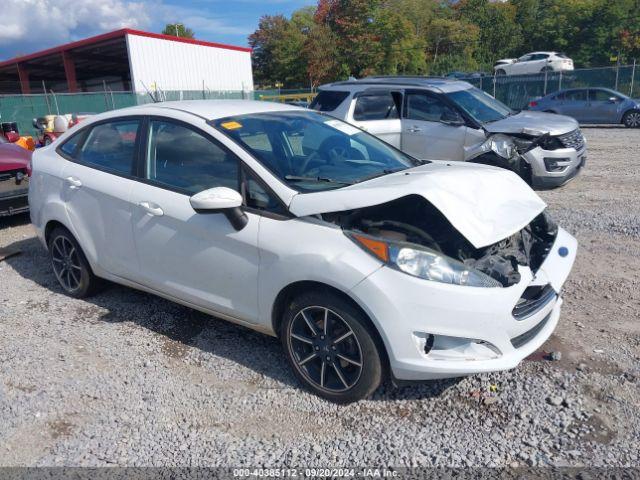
(422,262)
(502,145)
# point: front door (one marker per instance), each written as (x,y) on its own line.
(424,133)
(603,106)
(199,258)
(378,112)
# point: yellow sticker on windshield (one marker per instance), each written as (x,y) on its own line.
(231,125)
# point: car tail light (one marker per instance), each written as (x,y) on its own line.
(533,103)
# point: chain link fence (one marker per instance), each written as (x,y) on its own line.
(518,90)
(514,90)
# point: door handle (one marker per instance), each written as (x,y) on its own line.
(414,129)
(73,183)
(151,209)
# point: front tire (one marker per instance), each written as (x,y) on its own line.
(331,347)
(631,119)
(501,71)
(70,266)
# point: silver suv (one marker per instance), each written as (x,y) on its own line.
(444,119)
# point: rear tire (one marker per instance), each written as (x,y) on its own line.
(339,360)
(70,266)
(501,71)
(631,119)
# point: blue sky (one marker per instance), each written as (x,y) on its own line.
(27,26)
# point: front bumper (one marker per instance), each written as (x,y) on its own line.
(570,160)
(474,328)
(13,195)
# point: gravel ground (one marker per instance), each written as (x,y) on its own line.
(126,378)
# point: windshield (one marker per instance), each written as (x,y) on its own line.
(480,106)
(311,151)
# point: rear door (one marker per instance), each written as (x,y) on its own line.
(575,104)
(425,135)
(378,112)
(97,180)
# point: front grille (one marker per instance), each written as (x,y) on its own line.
(9,174)
(527,336)
(532,301)
(573,139)
(10,206)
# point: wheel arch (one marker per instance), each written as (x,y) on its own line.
(626,112)
(51,226)
(289,292)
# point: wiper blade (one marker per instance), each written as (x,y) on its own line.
(386,171)
(296,178)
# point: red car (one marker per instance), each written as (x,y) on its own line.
(15,170)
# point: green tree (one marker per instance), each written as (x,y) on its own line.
(499,34)
(178,30)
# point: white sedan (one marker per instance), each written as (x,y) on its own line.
(535,62)
(364,261)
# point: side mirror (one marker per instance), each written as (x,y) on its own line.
(221,200)
(613,99)
(452,118)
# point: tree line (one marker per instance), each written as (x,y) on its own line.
(340,38)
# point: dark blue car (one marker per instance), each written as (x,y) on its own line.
(591,105)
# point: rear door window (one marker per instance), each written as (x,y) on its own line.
(375,107)
(577,96)
(328,100)
(111,146)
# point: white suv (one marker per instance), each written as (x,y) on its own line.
(535,62)
(446,119)
(362,260)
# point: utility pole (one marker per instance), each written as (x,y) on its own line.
(633,77)
(176,25)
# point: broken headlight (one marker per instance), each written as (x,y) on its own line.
(502,145)
(423,262)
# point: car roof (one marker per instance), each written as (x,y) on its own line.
(436,83)
(214,109)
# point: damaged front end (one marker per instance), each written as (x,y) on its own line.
(413,236)
(507,151)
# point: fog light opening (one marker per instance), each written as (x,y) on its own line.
(429,344)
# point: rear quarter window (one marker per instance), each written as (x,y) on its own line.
(328,100)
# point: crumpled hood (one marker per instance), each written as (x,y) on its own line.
(485,204)
(533,123)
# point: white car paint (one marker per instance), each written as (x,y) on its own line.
(534,62)
(151,239)
(485,204)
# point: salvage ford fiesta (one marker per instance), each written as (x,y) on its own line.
(364,261)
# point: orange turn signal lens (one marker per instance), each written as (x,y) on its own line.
(378,248)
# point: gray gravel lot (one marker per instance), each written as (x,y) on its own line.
(126,378)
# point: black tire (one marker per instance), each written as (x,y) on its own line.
(501,71)
(319,360)
(70,266)
(631,119)
(47,141)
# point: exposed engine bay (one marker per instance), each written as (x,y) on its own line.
(412,219)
